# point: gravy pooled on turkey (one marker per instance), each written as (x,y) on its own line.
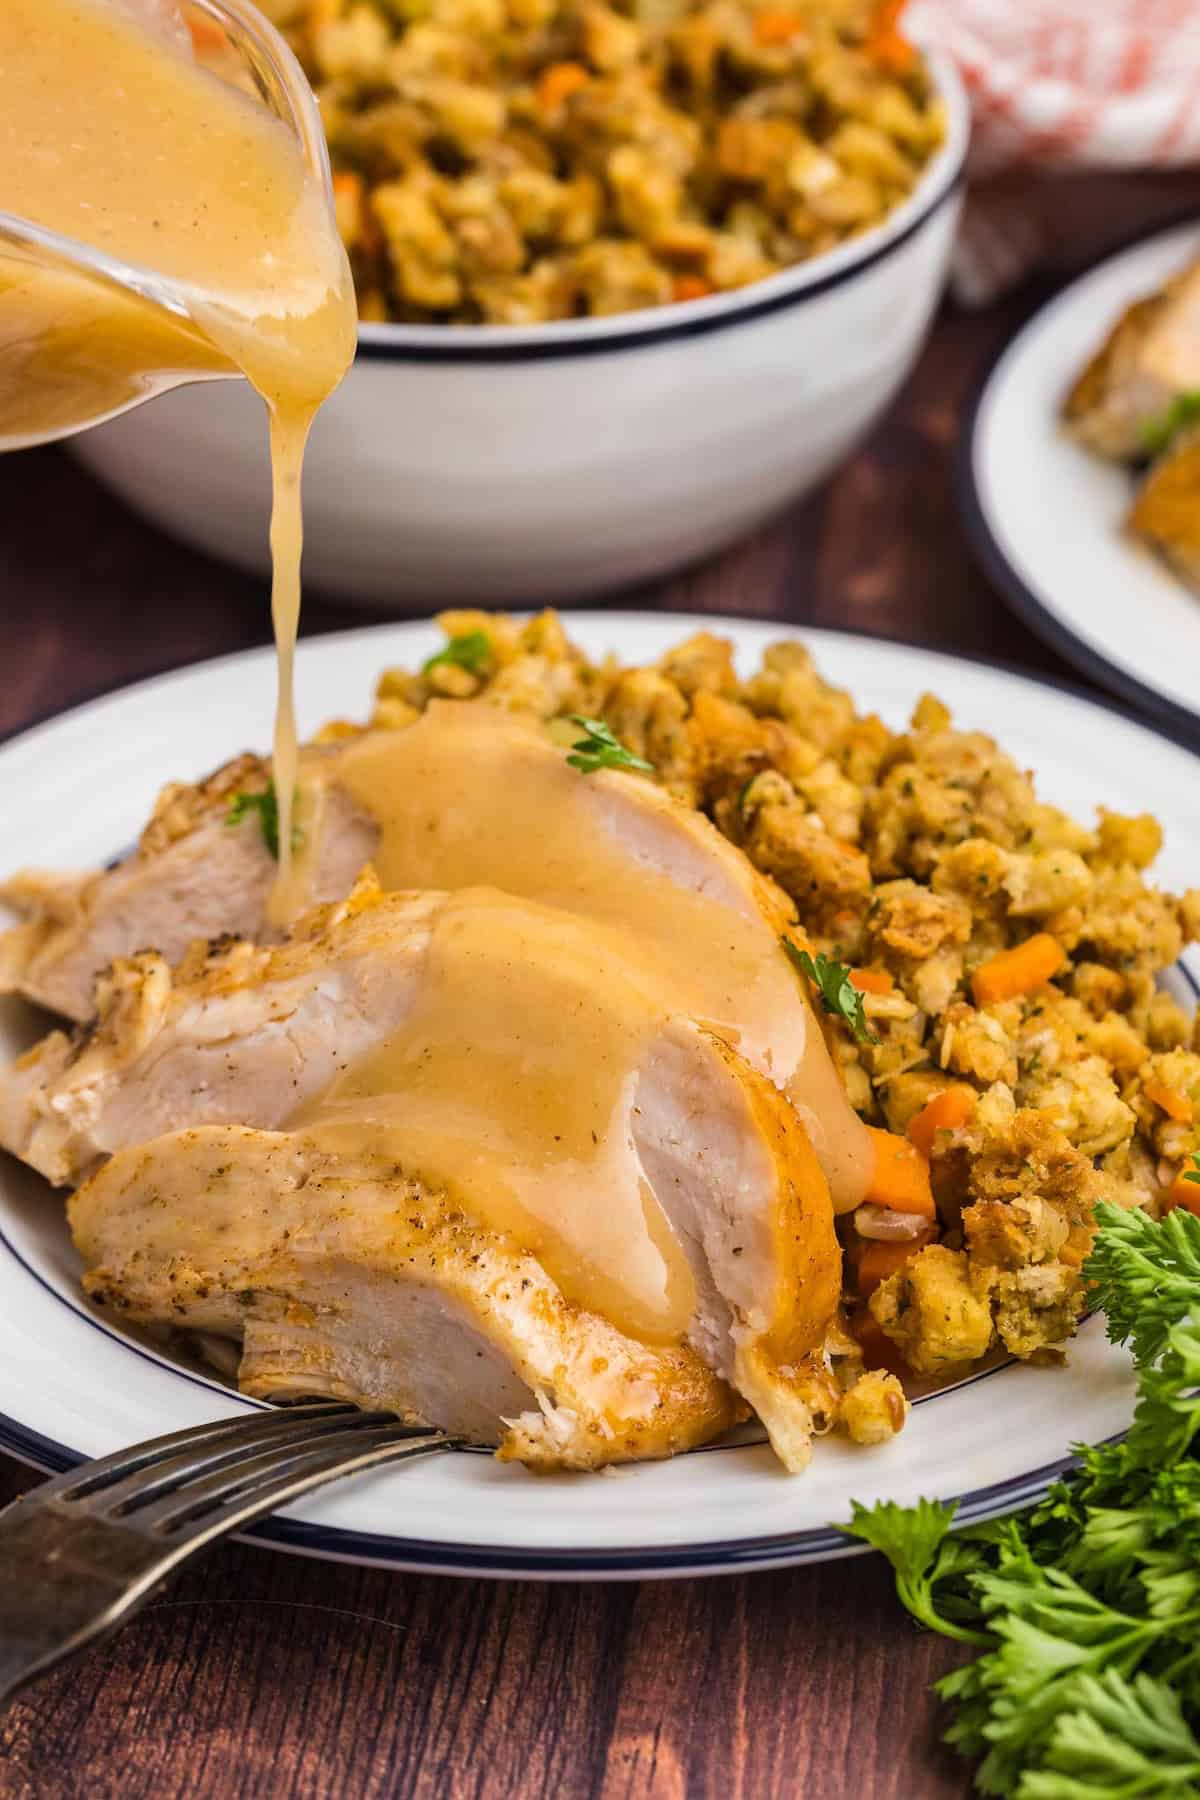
(474,796)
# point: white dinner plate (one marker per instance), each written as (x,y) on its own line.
(1046,516)
(76,790)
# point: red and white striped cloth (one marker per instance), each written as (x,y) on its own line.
(1068,84)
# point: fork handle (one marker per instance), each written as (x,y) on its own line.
(67,1581)
(63,1581)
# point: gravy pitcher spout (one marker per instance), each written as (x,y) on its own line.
(94,318)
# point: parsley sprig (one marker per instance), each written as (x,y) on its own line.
(835,990)
(471,651)
(1086,1611)
(1158,434)
(1148,1276)
(599,749)
(266,805)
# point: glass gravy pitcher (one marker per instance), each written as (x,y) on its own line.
(85,336)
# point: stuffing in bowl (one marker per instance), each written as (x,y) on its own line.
(508,162)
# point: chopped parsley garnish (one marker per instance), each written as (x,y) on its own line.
(266,805)
(472,652)
(1159,434)
(1085,1612)
(743,795)
(835,990)
(599,749)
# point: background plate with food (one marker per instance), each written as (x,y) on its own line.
(1065,532)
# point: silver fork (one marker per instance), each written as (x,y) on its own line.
(80,1554)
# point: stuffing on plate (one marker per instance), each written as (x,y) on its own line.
(515,161)
(1005,955)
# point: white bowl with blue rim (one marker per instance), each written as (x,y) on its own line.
(539,462)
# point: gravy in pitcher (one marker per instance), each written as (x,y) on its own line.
(121,140)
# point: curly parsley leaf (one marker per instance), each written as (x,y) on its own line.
(599,749)
(916,1541)
(1159,433)
(1053,1640)
(1166,1420)
(837,993)
(1120,1737)
(471,651)
(1088,1608)
(1145,1275)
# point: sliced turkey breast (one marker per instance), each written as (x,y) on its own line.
(243,1033)
(507,1054)
(470,795)
(345,1280)
(194,875)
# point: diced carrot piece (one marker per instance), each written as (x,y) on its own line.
(776,25)
(690,287)
(877,1260)
(559,82)
(348,190)
(879,1352)
(900,1178)
(1168,1100)
(886,43)
(356,221)
(872,981)
(1185,1193)
(945,1112)
(1019,970)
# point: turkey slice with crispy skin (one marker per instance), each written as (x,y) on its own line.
(241,1034)
(701,1214)
(194,875)
(348,1281)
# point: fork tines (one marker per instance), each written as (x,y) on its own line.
(187,1476)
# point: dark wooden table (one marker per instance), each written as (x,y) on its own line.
(265,1675)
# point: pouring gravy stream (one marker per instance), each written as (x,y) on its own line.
(119,139)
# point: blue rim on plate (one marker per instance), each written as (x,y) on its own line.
(1150,707)
(314,1540)
(785,1549)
